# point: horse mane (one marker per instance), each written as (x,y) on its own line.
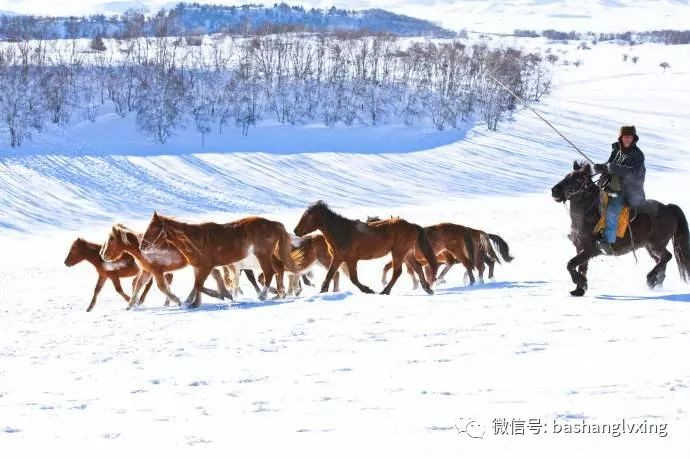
(375,218)
(339,226)
(90,245)
(123,233)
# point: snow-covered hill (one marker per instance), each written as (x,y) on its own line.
(484,15)
(580,15)
(345,374)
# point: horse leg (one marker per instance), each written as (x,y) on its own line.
(352,270)
(168,279)
(279,269)
(143,278)
(200,275)
(250,276)
(397,270)
(579,279)
(96,291)
(386,268)
(656,276)
(335,265)
(306,280)
(411,270)
(163,286)
(267,270)
(420,273)
(336,281)
(147,287)
(228,275)
(469,271)
(441,277)
(118,288)
(480,269)
(224,292)
(491,264)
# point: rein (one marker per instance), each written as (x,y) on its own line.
(145,244)
(586,186)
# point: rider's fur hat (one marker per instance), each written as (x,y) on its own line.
(628,130)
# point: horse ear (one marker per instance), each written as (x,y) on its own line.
(588,169)
(576,165)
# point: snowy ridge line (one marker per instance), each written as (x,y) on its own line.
(589,103)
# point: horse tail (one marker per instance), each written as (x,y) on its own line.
(681,243)
(502,247)
(284,250)
(428,251)
(487,249)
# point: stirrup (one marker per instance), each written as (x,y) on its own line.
(632,215)
(605,247)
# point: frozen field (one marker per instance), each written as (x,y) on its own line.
(345,374)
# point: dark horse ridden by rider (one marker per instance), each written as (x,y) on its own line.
(652,231)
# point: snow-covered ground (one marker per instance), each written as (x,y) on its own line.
(347,374)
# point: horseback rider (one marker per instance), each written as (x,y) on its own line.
(625,171)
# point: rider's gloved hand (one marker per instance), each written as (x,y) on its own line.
(601,168)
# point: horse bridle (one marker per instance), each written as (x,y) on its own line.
(586,184)
(162,233)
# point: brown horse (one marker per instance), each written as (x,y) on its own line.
(125,266)
(307,251)
(208,245)
(652,232)
(354,240)
(155,262)
(454,244)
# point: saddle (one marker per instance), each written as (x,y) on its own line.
(626,216)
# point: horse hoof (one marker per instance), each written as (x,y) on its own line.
(429,291)
(578,292)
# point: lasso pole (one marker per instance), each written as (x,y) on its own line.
(540,117)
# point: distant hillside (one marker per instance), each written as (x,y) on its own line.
(193,18)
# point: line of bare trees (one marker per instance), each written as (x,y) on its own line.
(168,84)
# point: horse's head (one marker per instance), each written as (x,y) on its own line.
(118,240)
(311,218)
(76,252)
(575,182)
(156,235)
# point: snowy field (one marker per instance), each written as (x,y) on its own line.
(345,374)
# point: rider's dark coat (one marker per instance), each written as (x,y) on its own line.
(628,170)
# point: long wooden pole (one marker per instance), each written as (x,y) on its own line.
(540,117)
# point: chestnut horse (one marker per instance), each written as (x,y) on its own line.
(207,245)
(455,244)
(156,262)
(308,251)
(107,270)
(354,240)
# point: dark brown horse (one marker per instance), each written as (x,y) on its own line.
(207,245)
(654,233)
(155,262)
(354,240)
(125,266)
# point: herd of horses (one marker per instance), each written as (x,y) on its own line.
(225,251)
